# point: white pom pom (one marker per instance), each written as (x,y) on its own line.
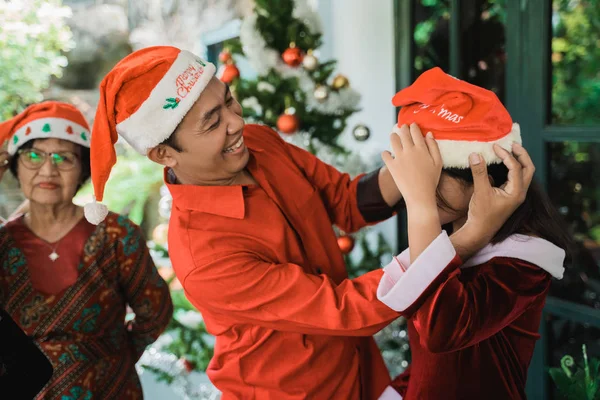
(95,212)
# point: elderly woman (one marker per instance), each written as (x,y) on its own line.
(67,283)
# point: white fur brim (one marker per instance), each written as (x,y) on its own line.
(46,128)
(455,153)
(152,123)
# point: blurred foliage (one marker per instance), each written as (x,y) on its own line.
(278,26)
(482,40)
(190,341)
(133,178)
(370,258)
(576,62)
(573,186)
(33,37)
(578,382)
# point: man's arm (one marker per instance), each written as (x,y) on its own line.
(241,285)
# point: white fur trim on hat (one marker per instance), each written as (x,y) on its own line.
(46,128)
(455,153)
(168,103)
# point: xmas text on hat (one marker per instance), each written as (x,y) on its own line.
(143,99)
(49,119)
(463,118)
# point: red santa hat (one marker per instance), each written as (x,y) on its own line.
(463,118)
(143,99)
(49,119)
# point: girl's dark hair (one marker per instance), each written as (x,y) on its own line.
(537,216)
(84,158)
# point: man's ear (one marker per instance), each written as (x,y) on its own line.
(163,154)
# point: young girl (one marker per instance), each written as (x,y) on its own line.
(472,323)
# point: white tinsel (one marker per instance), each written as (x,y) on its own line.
(252,104)
(353,164)
(305,13)
(190,319)
(263,86)
(255,48)
(182,383)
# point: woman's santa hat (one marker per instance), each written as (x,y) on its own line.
(143,99)
(49,119)
(463,118)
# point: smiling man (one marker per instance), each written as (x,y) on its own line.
(250,234)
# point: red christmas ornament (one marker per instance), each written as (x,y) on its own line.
(288,123)
(27,131)
(228,73)
(225,56)
(346,244)
(293,56)
(188,365)
(70,130)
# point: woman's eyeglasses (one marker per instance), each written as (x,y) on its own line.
(34,159)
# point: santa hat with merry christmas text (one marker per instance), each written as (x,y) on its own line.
(49,119)
(463,118)
(143,99)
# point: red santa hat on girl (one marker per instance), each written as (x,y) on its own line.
(49,119)
(143,99)
(463,118)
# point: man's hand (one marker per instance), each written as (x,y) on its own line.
(490,207)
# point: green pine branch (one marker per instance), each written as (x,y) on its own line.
(279,28)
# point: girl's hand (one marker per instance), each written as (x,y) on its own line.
(490,207)
(4,160)
(416,166)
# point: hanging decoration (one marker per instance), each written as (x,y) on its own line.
(346,243)
(310,61)
(340,82)
(288,122)
(361,132)
(293,55)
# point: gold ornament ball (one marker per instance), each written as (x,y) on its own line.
(361,132)
(160,234)
(321,93)
(340,82)
(310,62)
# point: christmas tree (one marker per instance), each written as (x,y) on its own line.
(308,104)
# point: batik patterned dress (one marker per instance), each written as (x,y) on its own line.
(81,326)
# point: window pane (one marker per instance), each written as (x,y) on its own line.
(431,36)
(566,338)
(483,54)
(575,62)
(574,187)
(482,40)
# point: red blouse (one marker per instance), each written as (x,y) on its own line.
(47,276)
